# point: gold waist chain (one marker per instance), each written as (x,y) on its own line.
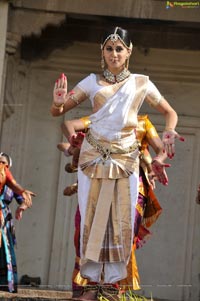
(107,151)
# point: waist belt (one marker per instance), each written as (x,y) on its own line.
(107,151)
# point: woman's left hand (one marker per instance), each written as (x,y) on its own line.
(18,213)
(168,140)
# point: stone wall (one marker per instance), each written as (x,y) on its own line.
(169,263)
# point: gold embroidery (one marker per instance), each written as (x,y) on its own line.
(141,86)
(120,164)
(79,95)
(106,199)
(153,100)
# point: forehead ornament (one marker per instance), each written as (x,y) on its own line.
(113,38)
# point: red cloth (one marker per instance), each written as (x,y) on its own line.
(6,177)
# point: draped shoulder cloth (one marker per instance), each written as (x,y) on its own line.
(113,153)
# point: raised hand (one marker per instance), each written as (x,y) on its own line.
(168,140)
(60,91)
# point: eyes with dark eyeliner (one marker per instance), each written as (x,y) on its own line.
(118,49)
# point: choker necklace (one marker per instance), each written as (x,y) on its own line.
(111,78)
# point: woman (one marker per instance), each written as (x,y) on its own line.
(108,173)
(9,189)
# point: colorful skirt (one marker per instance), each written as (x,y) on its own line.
(8,266)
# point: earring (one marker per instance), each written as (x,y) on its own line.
(127,63)
(102,62)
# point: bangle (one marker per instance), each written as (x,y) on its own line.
(157,158)
(74,98)
(168,129)
(57,107)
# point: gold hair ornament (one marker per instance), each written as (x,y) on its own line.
(114,37)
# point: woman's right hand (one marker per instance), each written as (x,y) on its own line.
(77,139)
(158,168)
(60,91)
(27,196)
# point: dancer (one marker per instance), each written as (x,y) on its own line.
(108,171)
(9,189)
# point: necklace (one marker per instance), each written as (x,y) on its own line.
(111,78)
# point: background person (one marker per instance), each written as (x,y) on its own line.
(9,189)
(198,195)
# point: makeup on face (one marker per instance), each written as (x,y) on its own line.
(117,48)
(3,161)
(115,55)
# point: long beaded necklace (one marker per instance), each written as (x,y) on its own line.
(111,78)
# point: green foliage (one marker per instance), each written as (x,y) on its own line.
(128,296)
(132,297)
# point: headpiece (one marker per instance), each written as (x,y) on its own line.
(114,37)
